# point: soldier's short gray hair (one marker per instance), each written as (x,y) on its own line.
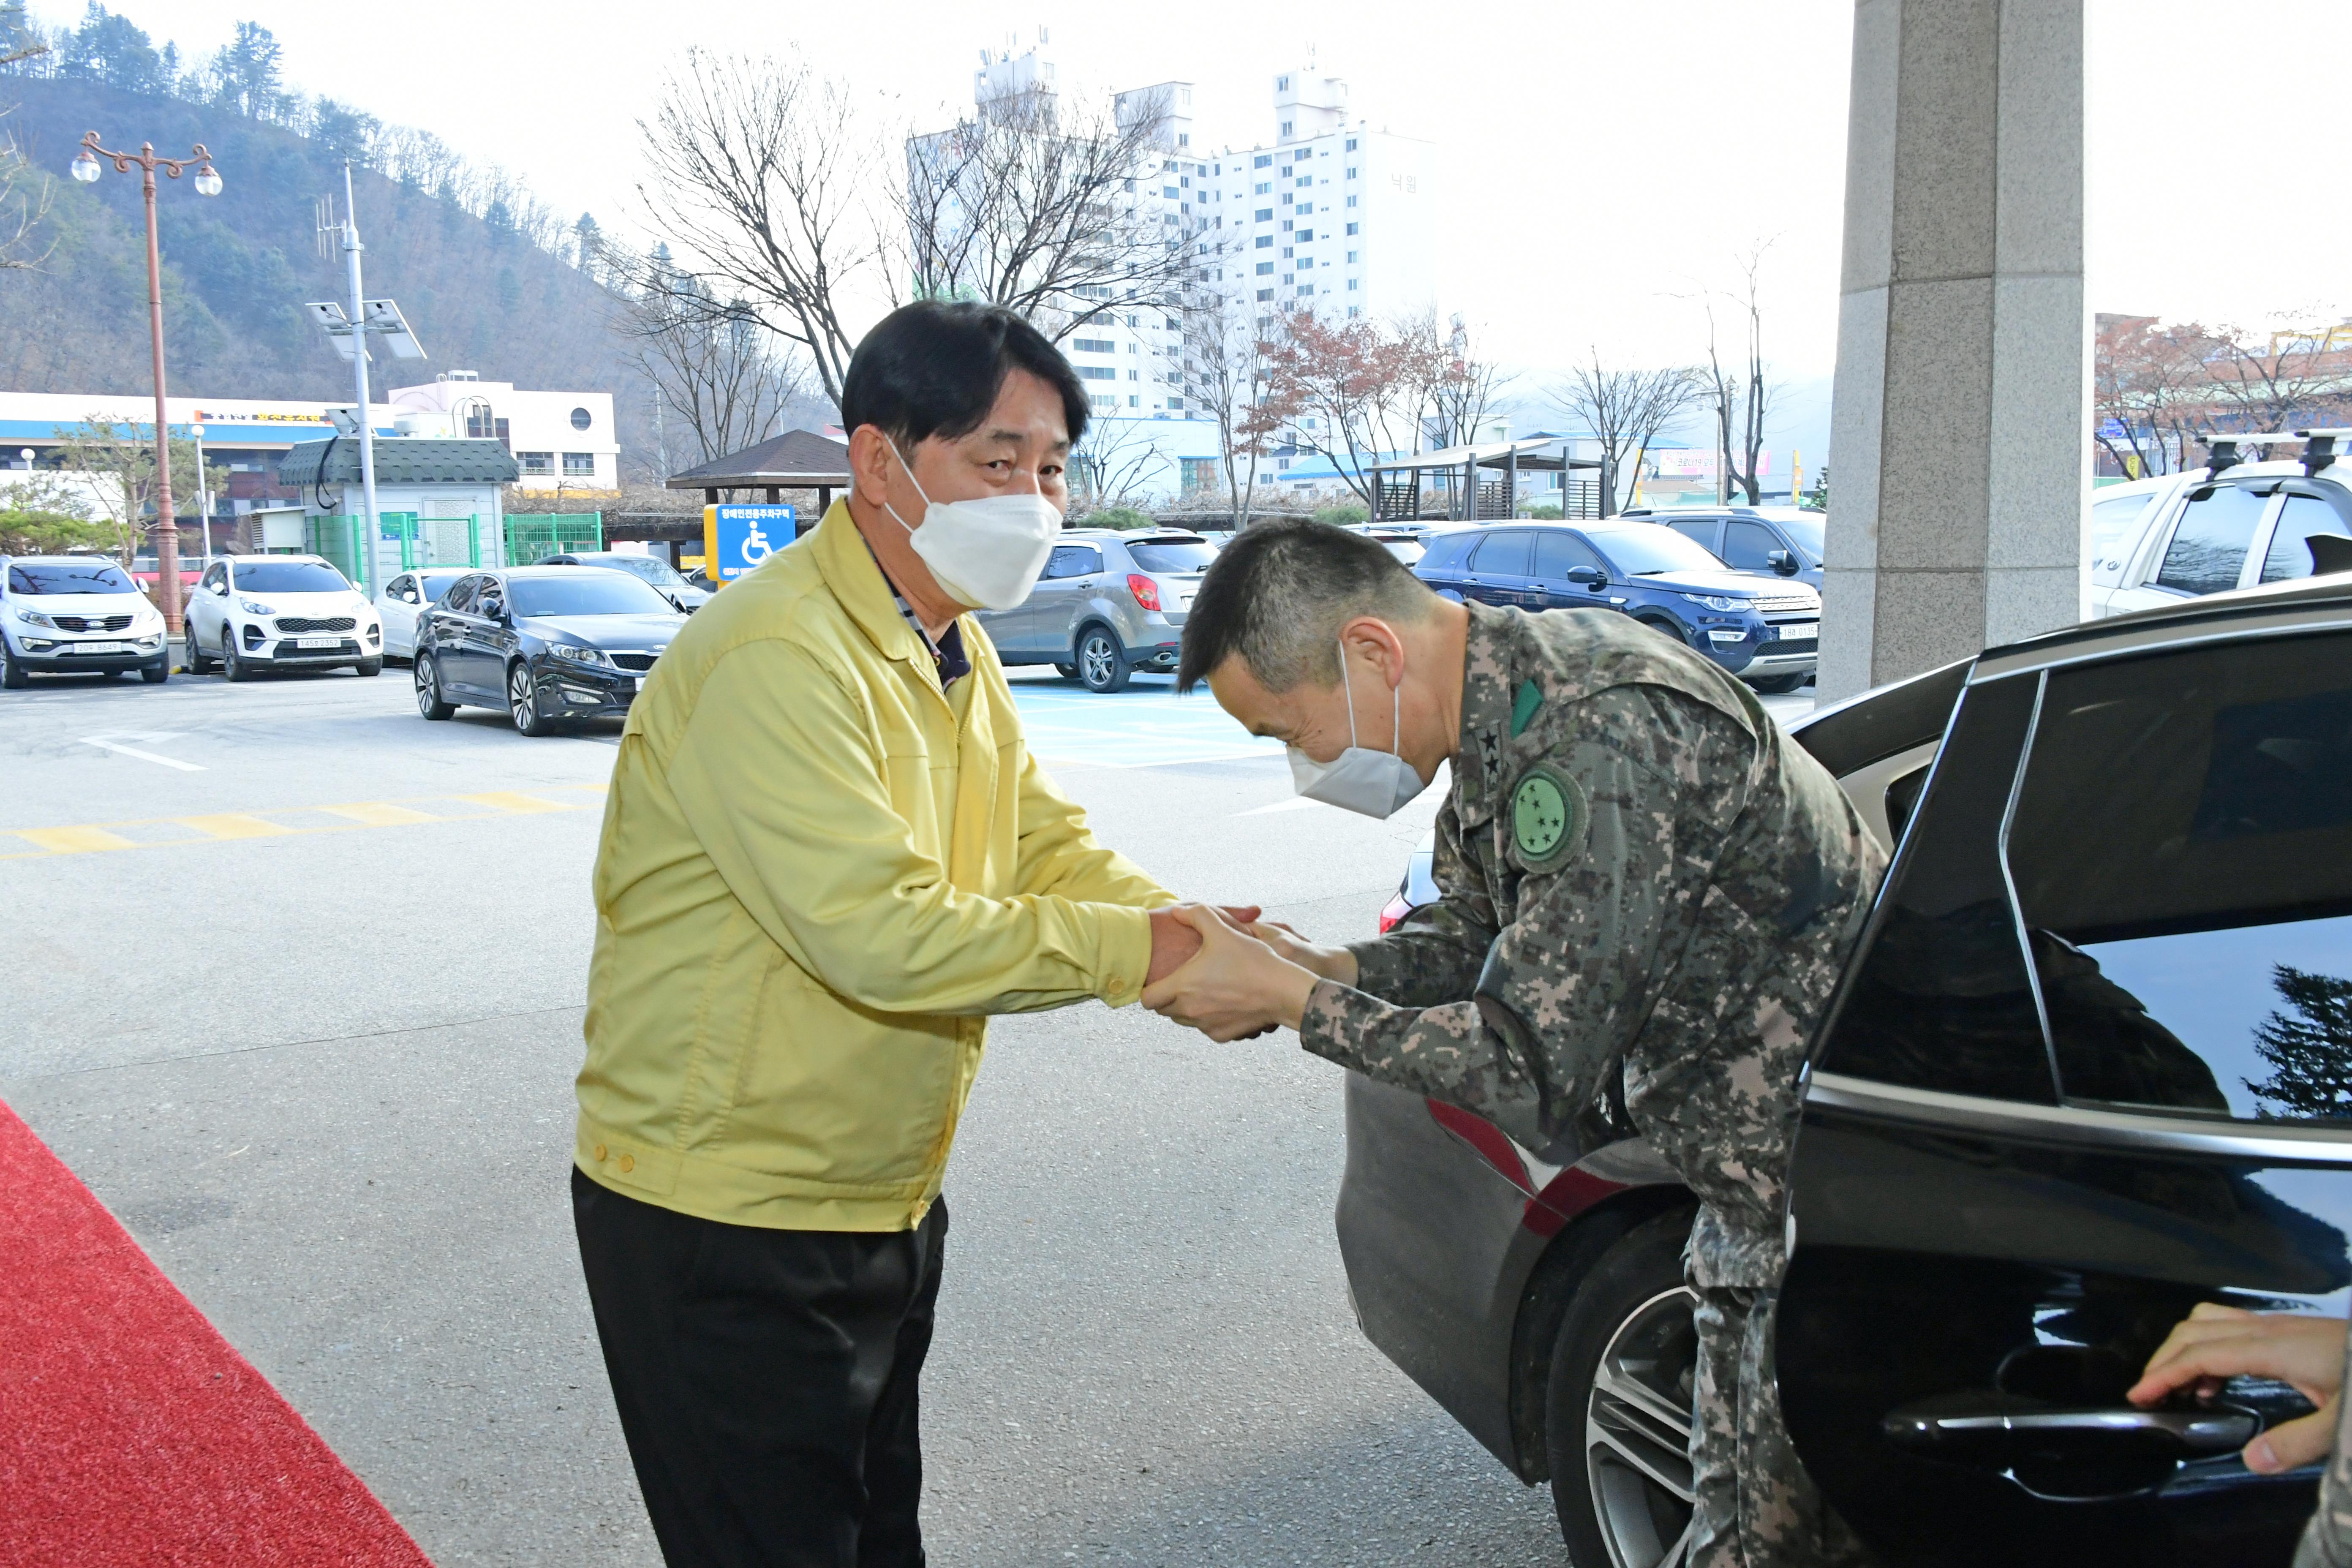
(1278,594)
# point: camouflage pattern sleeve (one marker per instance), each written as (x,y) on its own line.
(2327,1538)
(1434,954)
(1603,914)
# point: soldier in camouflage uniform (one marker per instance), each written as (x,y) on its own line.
(1648,892)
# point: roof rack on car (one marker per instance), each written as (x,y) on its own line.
(2319,449)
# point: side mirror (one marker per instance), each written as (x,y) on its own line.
(1590,576)
(1782,562)
(493,609)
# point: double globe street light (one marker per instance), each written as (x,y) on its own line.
(207,181)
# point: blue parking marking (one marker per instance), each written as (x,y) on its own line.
(1147,725)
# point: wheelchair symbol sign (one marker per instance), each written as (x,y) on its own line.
(738,539)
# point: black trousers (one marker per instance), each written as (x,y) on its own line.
(766,1380)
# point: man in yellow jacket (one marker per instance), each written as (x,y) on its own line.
(826,858)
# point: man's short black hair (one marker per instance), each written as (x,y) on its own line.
(1278,594)
(933,368)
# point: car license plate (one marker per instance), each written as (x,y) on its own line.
(318,642)
(101,647)
(1797,629)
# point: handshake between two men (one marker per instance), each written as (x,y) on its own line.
(1232,974)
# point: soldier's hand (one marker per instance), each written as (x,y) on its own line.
(1234,987)
(2215,1343)
(1330,962)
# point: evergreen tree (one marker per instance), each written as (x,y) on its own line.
(2310,1053)
(246,74)
(108,47)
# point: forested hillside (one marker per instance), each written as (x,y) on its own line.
(238,267)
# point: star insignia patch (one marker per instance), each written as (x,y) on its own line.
(1548,817)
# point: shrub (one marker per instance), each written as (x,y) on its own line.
(1342,514)
(1126,519)
(1548,512)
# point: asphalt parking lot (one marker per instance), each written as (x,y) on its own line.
(295,989)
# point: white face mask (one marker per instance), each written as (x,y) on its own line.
(1373,782)
(986,552)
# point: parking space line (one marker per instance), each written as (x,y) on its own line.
(380,814)
(218,827)
(142,756)
(510,800)
(234,824)
(73,840)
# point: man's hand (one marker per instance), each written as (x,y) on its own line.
(1330,962)
(1173,942)
(1234,987)
(2215,1343)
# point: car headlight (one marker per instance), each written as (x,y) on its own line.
(578,655)
(35,619)
(255,608)
(1717,601)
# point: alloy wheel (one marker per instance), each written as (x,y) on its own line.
(1637,1432)
(428,690)
(1099,665)
(522,700)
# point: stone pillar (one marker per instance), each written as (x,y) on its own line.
(1959,422)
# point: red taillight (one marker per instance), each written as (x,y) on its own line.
(1145,591)
(1395,909)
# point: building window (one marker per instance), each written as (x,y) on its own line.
(1266,215)
(1135,403)
(1264,160)
(1097,373)
(1286,129)
(1286,199)
(1264,241)
(579,465)
(1351,228)
(1287,253)
(580,420)
(1352,144)
(535,463)
(1264,268)
(1304,235)
(1353,283)
(1265,294)
(1287,276)
(1351,171)
(1263,189)
(1306,287)
(1303,181)
(1131,186)
(1175,403)
(1306,207)
(1352,257)
(1135,376)
(1354,311)
(1286,226)
(1168,191)
(1104,345)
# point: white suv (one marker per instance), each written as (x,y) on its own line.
(76,614)
(251,613)
(2231,525)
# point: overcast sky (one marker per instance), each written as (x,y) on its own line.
(1604,164)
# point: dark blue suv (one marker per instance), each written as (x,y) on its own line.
(1764,631)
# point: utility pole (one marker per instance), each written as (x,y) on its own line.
(365,549)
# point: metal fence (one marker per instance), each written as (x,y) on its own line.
(338,540)
(531,535)
(435,541)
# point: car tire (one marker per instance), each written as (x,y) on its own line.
(1665,628)
(522,702)
(1779,685)
(1066,672)
(371,666)
(1102,664)
(158,672)
(194,663)
(13,677)
(429,689)
(1617,1406)
(233,667)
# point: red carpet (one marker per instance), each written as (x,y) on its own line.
(130,1431)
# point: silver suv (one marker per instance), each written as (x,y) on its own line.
(1110,604)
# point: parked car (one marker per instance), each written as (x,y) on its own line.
(252,613)
(76,614)
(404,602)
(2232,525)
(544,642)
(2082,1072)
(1110,604)
(1769,541)
(664,578)
(1767,633)
(1403,541)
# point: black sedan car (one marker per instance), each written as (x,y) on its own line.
(545,643)
(1764,632)
(659,575)
(2088,1066)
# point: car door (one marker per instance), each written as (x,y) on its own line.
(2088,1068)
(1707,533)
(1558,553)
(2307,512)
(458,644)
(1750,546)
(490,636)
(396,608)
(1502,569)
(2208,548)
(1073,575)
(206,611)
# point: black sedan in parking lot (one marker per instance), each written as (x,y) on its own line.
(2086,1067)
(545,643)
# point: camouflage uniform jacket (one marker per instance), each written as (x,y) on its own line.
(1647,895)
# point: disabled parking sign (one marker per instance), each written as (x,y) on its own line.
(738,539)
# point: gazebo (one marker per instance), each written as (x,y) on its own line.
(1396,481)
(797,459)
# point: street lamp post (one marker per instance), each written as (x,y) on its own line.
(208,183)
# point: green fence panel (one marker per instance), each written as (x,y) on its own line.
(336,539)
(531,535)
(435,541)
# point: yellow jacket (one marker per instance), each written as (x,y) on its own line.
(817,873)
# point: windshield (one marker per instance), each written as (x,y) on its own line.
(588,594)
(288,577)
(660,573)
(44,577)
(1806,531)
(1644,548)
(438,585)
(1173,555)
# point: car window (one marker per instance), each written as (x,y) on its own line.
(1941,998)
(2114,530)
(461,597)
(2301,518)
(645,568)
(1503,554)
(589,592)
(1074,560)
(69,577)
(2182,849)
(1699,531)
(1642,547)
(214,577)
(1446,554)
(1810,533)
(435,584)
(2210,542)
(1172,555)
(1748,546)
(267,576)
(1557,551)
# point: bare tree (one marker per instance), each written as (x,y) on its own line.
(714,363)
(2276,378)
(1115,463)
(2150,389)
(1741,396)
(1229,375)
(1032,205)
(1624,410)
(25,197)
(758,168)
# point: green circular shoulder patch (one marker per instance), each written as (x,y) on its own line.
(1549,815)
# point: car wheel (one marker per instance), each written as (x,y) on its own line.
(1066,672)
(1778,684)
(158,672)
(1617,1411)
(11,674)
(1102,664)
(233,667)
(522,701)
(194,662)
(371,666)
(1665,628)
(429,689)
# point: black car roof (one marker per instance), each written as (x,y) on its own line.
(2329,591)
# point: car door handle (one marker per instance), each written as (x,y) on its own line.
(1992,1430)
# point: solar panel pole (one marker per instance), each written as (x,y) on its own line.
(365,546)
